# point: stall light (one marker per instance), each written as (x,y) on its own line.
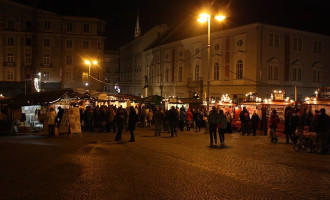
(307,99)
(275,91)
(316,92)
(291,101)
(287,99)
(280,91)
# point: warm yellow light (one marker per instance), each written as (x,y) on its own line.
(203,17)
(220,17)
(87,62)
(94,62)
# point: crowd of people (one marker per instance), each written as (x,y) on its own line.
(110,118)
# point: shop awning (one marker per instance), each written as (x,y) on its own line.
(41,98)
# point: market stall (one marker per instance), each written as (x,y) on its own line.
(321,100)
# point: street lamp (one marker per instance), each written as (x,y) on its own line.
(204,17)
(89,63)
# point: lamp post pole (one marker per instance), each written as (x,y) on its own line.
(208,62)
(89,76)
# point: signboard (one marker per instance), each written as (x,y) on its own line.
(279,96)
(70,121)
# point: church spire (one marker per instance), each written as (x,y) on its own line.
(137,26)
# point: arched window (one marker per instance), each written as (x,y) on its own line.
(197,72)
(180,74)
(216,71)
(239,69)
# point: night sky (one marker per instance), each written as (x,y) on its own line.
(121,15)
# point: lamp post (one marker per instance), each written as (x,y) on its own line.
(204,17)
(89,63)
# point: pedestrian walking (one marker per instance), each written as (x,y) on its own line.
(51,121)
(255,122)
(158,117)
(119,119)
(244,117)
(150,117)
(287,126)
(222,126)
(59,116)
(189,117)
(182,118)
(213,121)
(173,118)
(229,119)
(274,120)
(294,125)
(132,119)
(323,124)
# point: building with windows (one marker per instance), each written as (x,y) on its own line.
(35,43)
(111,72)
(252,58)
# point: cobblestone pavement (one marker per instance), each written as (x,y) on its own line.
(94,166)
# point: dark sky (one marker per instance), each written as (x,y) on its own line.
(310,15)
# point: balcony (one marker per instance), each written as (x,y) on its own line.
(195,83)
(46,65)
(9,64)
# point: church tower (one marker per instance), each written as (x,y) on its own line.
(137,26)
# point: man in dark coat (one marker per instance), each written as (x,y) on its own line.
(119,119)
(132,119)
(255,122)
(323,129)
(173,118)
(213,121)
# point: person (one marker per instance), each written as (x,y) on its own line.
(213,121)
(264,120)
(197,119)
(323,130)
(103,119)
(112,115)
(294,125)
(274,120)
(51,121)
(59,116)
(189,117)
(132,119)
(244,117)
(287,126)
(158,117)
(182,118)
(97,120)
(119,119)
(222,126)
(314,121)
(255,122)
(173,118)
(150,117)
(228,120)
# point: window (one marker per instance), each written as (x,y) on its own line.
(239,43)
(10,75)
(86,28)
(46,58)
(180,74)
(239,69)
(28,25)
(273,73)
(68,60)
(69,44)
(316,76)
(28,58)
(85,76)
(296,74)
(274,39)
(11,24)
(196,72)
(216,47)
(46,75)
(317,47)
(68,76)
(197,51)
(28,42)
(166,75)
(216,71)
(47,25)
(10,57)
(46,42)
(10,41)
(69,27)
(297,44)
(85,44)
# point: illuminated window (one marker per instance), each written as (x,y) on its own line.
(46,58)
(10,57)
(239,69)
(197,72)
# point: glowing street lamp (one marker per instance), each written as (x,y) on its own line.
(89,63)
(205,17)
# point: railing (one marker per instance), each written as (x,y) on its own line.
(9,64)
(195,83)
